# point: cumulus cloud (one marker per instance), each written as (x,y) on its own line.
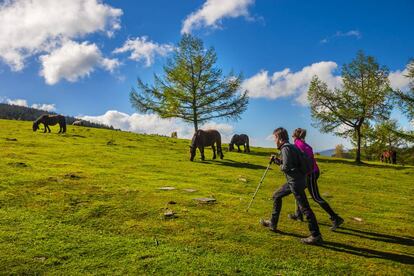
(153,124)
(352,33)
(287,83)
(142,49)
(212,11)
(19,102)
(30,27)
(22,102)
(73,61)
(398,79)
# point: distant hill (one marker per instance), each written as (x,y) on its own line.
(328,152)
(22,113)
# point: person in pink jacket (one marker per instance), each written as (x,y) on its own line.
(312,181)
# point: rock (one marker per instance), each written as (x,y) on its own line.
(169,214)
(72,176)
(243,179)
(205,200)
(166,188)
(357,219)
(190,190)
(11,139)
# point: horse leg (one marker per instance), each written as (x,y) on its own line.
(219,150)
(238,148)
(48,128)
(202,153)
(45,128)
(214,151)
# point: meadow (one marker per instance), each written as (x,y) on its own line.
(87,202)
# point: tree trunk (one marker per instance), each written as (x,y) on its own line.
(358,152)
(195,125)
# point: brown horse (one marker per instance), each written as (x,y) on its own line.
(389,156)
(50,120)
(206,138)
(239,140)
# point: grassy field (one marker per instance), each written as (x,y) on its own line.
(87,203)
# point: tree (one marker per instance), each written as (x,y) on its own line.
(364,96)
(193,88)
(339,151)
(406,99)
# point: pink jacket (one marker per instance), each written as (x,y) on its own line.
(300,144)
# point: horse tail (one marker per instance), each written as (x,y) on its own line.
(247,143)
(218,143)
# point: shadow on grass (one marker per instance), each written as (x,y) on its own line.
(360,251)
(231,163)
(376,236)
(368,253)
(353,163)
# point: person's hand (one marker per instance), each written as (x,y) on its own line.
(274,159)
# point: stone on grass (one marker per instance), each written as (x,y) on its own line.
(357,219)
(169,214)
(166,188)
(242,179)
(190,190)
(205,200)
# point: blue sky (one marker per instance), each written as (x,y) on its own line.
(78,61)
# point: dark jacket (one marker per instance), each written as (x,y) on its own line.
(290,165)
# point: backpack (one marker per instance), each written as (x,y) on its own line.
(305,163)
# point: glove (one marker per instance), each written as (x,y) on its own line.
(274,159)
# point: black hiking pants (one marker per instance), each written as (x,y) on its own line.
(312,185)
(300,196)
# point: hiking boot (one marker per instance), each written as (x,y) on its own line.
(296,217)
(268,223)
(312,240)
(336,223)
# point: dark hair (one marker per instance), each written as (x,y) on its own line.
(281,133)
(299,133)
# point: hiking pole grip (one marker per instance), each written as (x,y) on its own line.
(258,186)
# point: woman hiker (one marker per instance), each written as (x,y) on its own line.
(312,181)
(295,183)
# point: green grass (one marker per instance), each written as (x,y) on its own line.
(74,204)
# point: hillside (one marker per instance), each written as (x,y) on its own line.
(87,202)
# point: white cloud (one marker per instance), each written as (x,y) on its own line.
(398,79)
(153,124)
(142,49)
(30,27)
(19,102)
(45,107)
(212,11)
(73,61)
(22,102)
(352,33)
(286,83)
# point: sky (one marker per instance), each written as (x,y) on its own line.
(82,57)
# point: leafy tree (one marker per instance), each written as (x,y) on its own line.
(339,151)
(406,99)
(193,88)
(364,96)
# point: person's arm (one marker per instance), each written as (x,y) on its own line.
(287,161)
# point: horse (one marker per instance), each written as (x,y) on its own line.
(239,140)
(206,138)
(50,120)
(389,156)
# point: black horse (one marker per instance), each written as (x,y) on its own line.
(50,120)
(206,138)
(239,140)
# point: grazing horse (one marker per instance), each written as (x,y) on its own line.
(50,120)
(239,140)
(389,156)
(206,138)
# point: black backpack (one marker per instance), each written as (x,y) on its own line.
(305,163)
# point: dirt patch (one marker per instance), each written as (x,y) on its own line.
(72,176)
(11,139)
(18,164)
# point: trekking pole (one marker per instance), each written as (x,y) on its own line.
(258,186)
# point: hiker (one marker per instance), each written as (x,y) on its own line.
(290,164)
(312,181)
